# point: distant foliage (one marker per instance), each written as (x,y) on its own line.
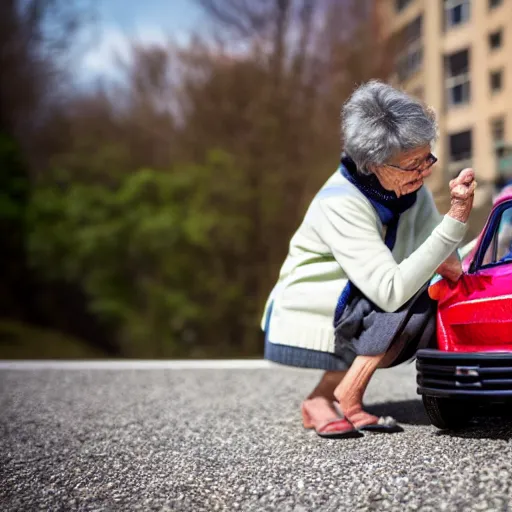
(149,216)
(149,252)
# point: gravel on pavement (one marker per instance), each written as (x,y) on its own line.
(231,439)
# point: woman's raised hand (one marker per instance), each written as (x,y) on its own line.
(462,192)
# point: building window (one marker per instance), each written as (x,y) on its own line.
(494,3)
(461,147)
(461,151)
(400,5)
(413,31)
(498,129)
(457,82)
(409,63)
(410,57)
(496,81)
(496,39)
(456,12)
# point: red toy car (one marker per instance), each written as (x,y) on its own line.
(473,358)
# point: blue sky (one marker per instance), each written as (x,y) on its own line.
(143,20)
(169,15)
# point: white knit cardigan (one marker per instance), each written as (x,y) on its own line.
(341,238)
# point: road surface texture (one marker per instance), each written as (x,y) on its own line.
(230,438)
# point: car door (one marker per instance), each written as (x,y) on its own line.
(476,313)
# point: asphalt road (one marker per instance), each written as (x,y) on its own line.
(230,439)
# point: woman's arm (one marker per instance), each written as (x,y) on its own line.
(451,268)
(348,226)
(427,220)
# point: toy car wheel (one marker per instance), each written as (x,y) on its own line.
(447,413)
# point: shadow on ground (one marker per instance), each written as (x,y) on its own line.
(491,423)
(408,412)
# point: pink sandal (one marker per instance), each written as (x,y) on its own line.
(384,424)
(345,430)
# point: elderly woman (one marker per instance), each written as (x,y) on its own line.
(358,265)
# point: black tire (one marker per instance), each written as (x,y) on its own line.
(447,413)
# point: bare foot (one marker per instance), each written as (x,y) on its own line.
(318,408)
(319,413)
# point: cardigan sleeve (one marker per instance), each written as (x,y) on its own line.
(349,227)
(427,218)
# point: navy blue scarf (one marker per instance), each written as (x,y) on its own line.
(388,206)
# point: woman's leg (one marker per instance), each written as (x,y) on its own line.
(350,391)
(328,383)
(317,408)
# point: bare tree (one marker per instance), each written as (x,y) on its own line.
(276,104)
(36,36)
(281,30)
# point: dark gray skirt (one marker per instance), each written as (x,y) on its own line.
(364,329)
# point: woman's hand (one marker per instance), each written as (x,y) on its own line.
(451,269)
(462,192)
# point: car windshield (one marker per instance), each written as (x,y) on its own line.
(500,248)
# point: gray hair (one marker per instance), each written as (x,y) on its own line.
(379,121)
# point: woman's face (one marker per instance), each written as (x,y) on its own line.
(405,172)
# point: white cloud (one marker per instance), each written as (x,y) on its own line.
(100,57)
(114,43)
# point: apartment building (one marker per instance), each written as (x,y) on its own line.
(456,55)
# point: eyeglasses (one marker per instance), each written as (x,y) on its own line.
(426,164)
